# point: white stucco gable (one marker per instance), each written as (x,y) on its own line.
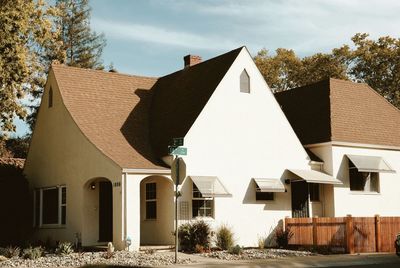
(243,132)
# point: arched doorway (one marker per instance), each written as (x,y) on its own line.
(156,211)
(97,212)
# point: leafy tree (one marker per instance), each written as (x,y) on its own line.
(280,71)
(25,31)
(377,63)
(81,46)
(285,70)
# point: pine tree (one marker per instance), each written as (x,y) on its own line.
(81,46)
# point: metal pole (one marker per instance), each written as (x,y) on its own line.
(176,209)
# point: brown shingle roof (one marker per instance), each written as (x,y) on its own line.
(111,110)
(337,110)
(180,97)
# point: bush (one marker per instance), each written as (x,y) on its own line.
(199,249)
(64,248)
(10,252)
(261,242)
(32,253)
(224,237)
(236,250)
(193,234)
(282,237)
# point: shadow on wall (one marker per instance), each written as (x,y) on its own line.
(281,200)
(15,206)
(343,173)
(136,127)
(270,240)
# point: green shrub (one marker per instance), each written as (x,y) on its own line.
(236,250)
(224,237)
(282,237)
(10,252)
(192,234)
(33,253)
(64,248)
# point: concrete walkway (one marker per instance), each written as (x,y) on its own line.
(362,260)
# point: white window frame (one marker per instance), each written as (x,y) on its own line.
(378,184)
(202,199)
(38,222)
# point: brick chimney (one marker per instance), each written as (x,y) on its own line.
(191,60)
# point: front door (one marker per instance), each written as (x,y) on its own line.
(300,199)
(105,212)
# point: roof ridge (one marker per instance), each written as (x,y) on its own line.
(206,61)
(102,71)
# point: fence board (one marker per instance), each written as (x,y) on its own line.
(302,231)
(390,227)
(364,234)
(332,233)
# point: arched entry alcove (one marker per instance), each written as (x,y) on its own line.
(97,212)
(156,211)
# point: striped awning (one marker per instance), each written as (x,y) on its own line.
(210,186)
(270,185)
(313,176)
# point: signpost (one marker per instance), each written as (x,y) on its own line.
(178,174)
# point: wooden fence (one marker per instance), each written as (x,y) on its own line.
(348,234)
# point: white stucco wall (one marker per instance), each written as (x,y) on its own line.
(240,136)
(136,228)
(384,203)
(344,201)
(60,154)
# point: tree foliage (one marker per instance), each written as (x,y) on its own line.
(375,62)
(81,47)
(25,31)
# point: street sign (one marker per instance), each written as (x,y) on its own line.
(177,142)
(178,171)
(177,150)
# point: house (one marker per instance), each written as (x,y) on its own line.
(100,168)
(356,134)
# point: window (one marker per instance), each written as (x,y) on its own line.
(244,82)
(314,191)
(262,196)
(201,206)
(151,201)
(50,97)
(363,181)
(50,206)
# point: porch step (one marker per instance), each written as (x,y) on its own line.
(157,248)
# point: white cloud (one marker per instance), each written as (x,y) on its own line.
(160,35)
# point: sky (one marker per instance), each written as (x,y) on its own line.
(150,37)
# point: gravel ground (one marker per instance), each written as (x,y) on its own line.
(251,254)
(96,258)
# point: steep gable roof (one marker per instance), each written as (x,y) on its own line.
(132,119)
(180,97)
(111,110)
(337,110)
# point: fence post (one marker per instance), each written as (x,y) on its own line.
(377,233)
(285,223)
(349,235)
(314,230)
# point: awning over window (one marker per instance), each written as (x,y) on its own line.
(210,186)
(270,185)
(313,176)
(365,163)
